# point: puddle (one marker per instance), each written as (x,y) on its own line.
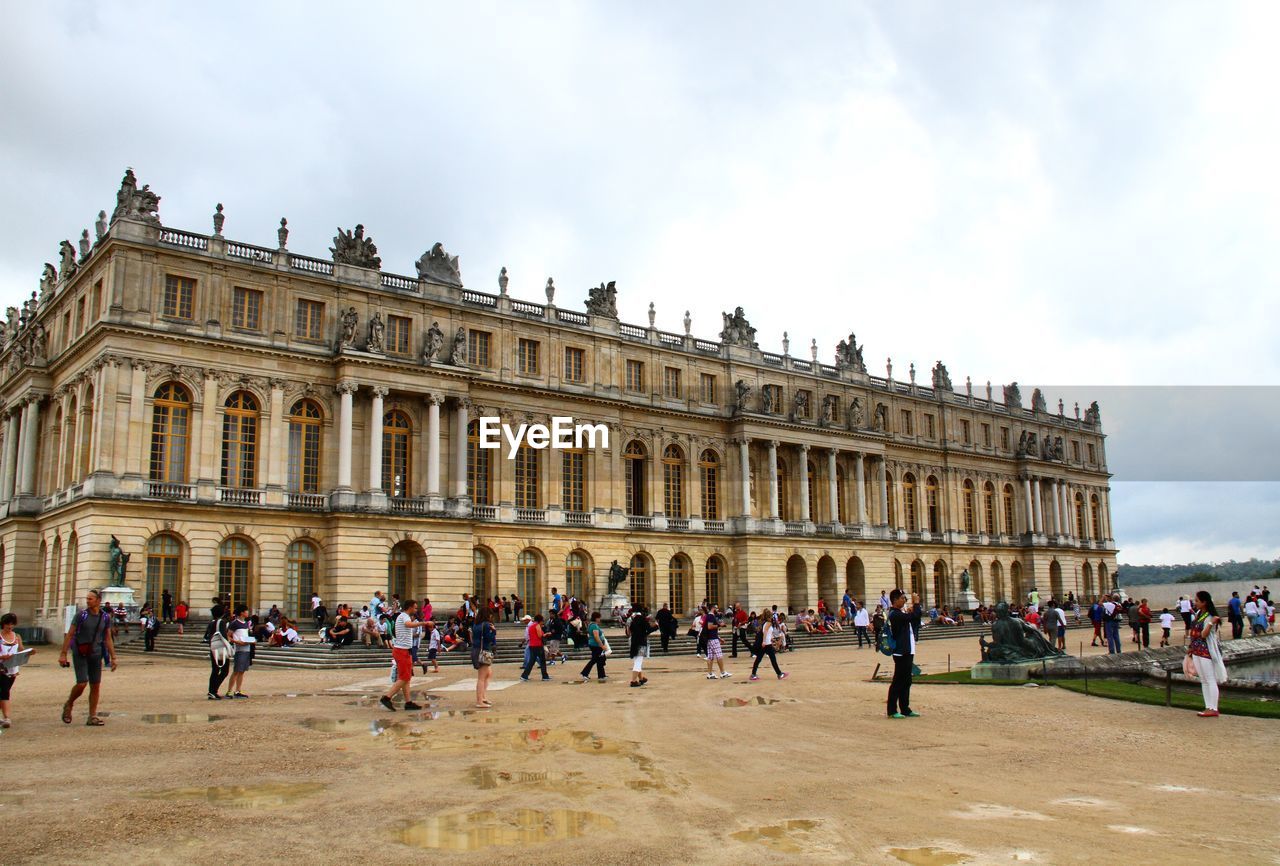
(488,779)
(985,811)
(476,830)
(178,718)
(1179,789)
(266,796)
(929,856)
(780,837)
(1134,831)
(757,701)
(1085,802)
(347,726)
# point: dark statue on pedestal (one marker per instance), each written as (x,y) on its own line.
(617,574)
(1013,641)
(119,563)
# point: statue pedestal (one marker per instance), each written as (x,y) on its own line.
(967,601)
(117,596)
(612,600)
(1023,671)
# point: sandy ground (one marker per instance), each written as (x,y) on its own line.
(808,770)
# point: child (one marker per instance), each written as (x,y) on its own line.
(10,646)
(181,612)
(433,647)
(1166,623)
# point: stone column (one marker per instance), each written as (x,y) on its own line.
(859,499)
(1104,504)
(277,456)
(883,475)
(804,484)
(30,430)
(104,412)
(1083,530)
(744,474)
(833,488)
(345,389)
(8,477)
(1030,509)
(1037,506)
(433,444)
(773,479)
(1054,514)
(207,458)
(77,446)
(59,475)
(460,448)
(375,438)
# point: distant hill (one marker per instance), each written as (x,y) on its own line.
(1253,569)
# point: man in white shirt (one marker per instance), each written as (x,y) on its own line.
(1184,608)
(401,654)
(375,604)
(861,621)
(1166,624)
(1111,613)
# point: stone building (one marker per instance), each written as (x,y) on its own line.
(254,422)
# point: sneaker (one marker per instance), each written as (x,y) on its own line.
(4,723)
(911,714)
(644,680)
(386,702)
(897,716)
(240,695)
(603,680)
(636,685)
(410,705)
(783,675)
(1208,714)
(754,678)
(586,679)
(546,679)
(726,675)
(711,676)
(214,697)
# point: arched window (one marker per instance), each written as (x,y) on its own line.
(69,452)
(73,569)
(299,578)
(989,509)
(396,433)
(479,468)
(1008,509)
(931,501)
(1095,514)
(55,572)
(917,580)
(527,477)
(678,586)
(634,457)
(573,480)
(638,585)
(305,419)
(784,488)
(1082,526)
(481,572)
(528,587)
(673,481)
(240,440)
(234,571)
(575,575)
(940,593)
(86,434)
(164,568)
(909,501)
(812,478)
(42,595)
(400,571)
(969,509)
(170,427)
(715,580)
(709,466)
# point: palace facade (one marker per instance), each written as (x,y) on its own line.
(249,421)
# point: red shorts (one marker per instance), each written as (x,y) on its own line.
(404,663)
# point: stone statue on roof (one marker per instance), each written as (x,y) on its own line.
(737,331)
(603,300)
(353,248)
(437,266)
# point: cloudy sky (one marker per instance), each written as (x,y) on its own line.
(1079,194)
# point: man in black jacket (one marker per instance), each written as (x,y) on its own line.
(903,625)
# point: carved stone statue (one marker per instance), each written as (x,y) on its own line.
(502,281)
(437,266)
(218,219)
(48,280)
(800,405)
(603,301)
(688,323)
(857,416)
(1012,396)
(353,248)
(766,400)
(1013,640)
(119,563)
(828,409)
(458,355)
(435,340)
(881,422)
(350,321)
(100,227)
(132,203)
(1037,401)
(1092,415)
(377,334)
(742,393)
(737,331)
(941,378)
(617,574)
(964,580)
(1058,450)
(66,260)
(11,314)
(85,245)
(849,355)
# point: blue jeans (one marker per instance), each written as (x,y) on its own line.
(1112,629)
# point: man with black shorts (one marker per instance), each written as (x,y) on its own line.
(89,641)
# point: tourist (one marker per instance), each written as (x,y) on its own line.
(484,641)
(901,627)
(166,605)
(1144,624)
(517,606)
(1184,608)
(402,642)
(1111,613)
(766,636)
(1235,615)
(877,623)
(638,629)
(121,618)
(149,625)
(376,603)
(884,599)
(667,625)
(537,651)
(243,643)
(740,620)
(1166,625)
(1033,600)
(848,606)
(695,632)
(1134,614)
(1205,652)
(715,655)
(1251,613)
(180,614)
(433,646)
(341,634)
(552,634)
(10,646)
(369,633)
(596,643)
(1095,617)
(556,601)
(220,651)
(861,619)
(90,633)
(782,637)
(1058,628)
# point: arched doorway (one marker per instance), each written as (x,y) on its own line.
(1055,582)
(164,568)
(997,582)
(1016,590)
(577,575)
(855,578)
(828,590)
(917,580)
(529,584)
(1086,575)
(300,578)
(797,583)
(640,582)
(236,581)
(406,571)
(1104,582)
(484,576)
(679,580)
(715,585)
(941,593)
(897,573)
(976,583)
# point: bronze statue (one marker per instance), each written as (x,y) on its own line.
(617,574)
(119,563)
(1013,640)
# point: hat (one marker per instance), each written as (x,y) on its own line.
(526,618)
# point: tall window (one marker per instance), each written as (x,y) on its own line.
(1093,454)
(908,423)
(1095,524)
(671,382)
(575,368)
(708,388)
(805,408)
(86,433)
(527,361)
(95,300)
(709,466)
(634,456)
(304,447)
(240,440)
(638,584)
(715,580)
(678,586)
(1082,528)
(527,477)
(179,297)
(234,560)
(164,568)
(246,309)
(989,508)
(299,578)
(575,575)
(841,486)
(308,320)
(930,431)
(931,501)
(784,488)
(396,433)
(69,452)
(480,572)
(73,570)
(573,480)
(909,501)
(1004,438)
(969,508)
(527,586)
(398,334)
(80,315)
(478,348)
(966,431)
(635,376)
(986,435)
(479,468)
(813,489)
(775,397)
(1008,509)
(170,425)
(673,481)
(400,572)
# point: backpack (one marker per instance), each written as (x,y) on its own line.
(887,646)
